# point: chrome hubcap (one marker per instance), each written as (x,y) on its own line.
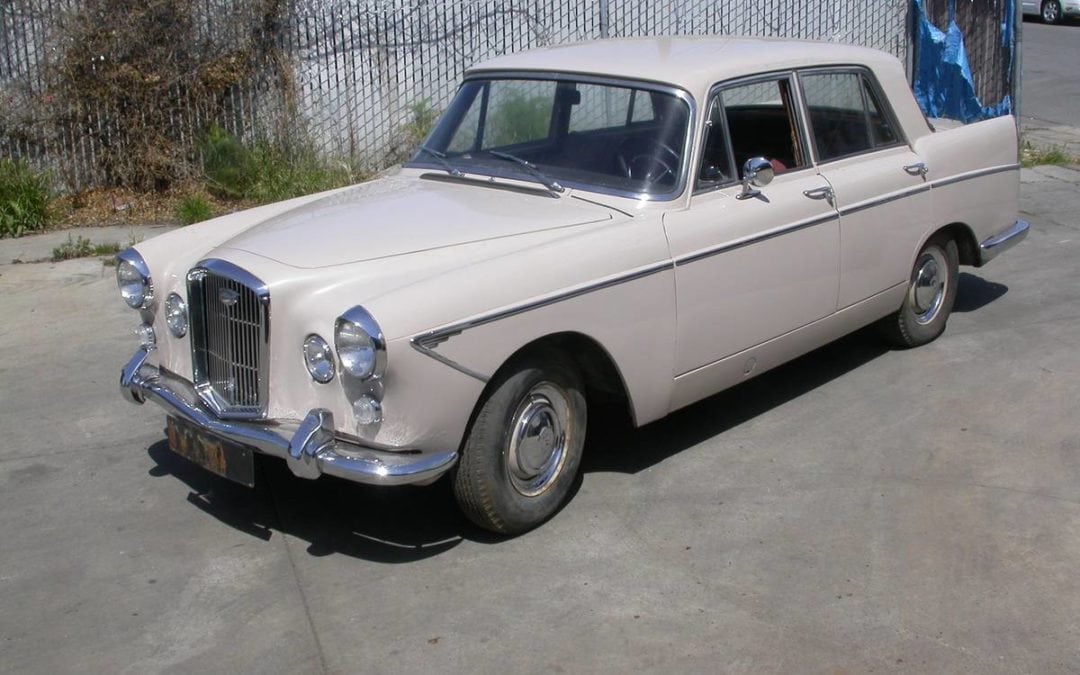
(1050,12)
(928,285)
(538,439)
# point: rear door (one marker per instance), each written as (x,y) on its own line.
(879,183)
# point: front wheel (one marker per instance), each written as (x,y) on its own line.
(1051,11)
(930,295)
(524,448)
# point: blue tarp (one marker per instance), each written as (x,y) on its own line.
(944,86)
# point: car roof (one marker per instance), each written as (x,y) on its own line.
(693,63)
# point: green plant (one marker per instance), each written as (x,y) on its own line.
(82,248)
(1033,155)
(408,136)
(130,76)
(24,199)
(423,121)
(193,209)
(267,171)
(284,173)
(227,164)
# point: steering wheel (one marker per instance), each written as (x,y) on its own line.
(646,159)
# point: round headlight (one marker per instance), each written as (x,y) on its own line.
(133,278)
(360,344)
(319,359)
(176,316)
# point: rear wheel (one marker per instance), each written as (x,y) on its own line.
(1051,11)
(524,448)
(930,295)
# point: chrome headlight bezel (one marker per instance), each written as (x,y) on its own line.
(360,345)
(319,358)
(176,315)
(134,280)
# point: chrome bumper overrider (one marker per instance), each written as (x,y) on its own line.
(1003,241)
(309,446)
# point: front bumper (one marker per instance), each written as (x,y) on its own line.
(310,446)
(1003,241)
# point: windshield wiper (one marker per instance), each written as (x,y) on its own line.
(440,157)
(539,175)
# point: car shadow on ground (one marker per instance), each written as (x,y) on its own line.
(973,292)
(405,524)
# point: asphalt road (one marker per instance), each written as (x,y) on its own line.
(1050,86)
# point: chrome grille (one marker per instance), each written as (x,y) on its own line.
(230,335)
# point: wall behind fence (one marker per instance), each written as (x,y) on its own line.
(358,72)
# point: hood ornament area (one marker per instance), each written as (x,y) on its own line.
(228,297)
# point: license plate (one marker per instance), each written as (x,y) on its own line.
(225,458)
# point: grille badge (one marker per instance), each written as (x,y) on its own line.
(228,297)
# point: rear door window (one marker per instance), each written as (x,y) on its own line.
(846,117)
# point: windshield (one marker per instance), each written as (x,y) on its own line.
(620,139)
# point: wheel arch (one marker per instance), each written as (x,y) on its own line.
(601,374)
(966,244)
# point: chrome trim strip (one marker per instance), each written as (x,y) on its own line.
(428,351)
(731,246)
(433,338)
(884,200)
(310,446)
(1004,240)
(974,174)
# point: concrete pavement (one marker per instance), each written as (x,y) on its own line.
(1049,85)
(859,509)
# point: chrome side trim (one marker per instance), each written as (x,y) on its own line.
(310,446)
(884,200)
(974,174)
(1004,240)
(433,338)
(428,351)
(731,246)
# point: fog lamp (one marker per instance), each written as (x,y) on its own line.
(367,411)
(319,359)
(145,333)
(176,316)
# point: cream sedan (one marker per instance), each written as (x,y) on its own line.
(647,221)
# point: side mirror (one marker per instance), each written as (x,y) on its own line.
(756,172)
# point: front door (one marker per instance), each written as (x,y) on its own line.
(748,269)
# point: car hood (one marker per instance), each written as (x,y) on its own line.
(406,214)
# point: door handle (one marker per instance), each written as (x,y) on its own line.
(825,193)
(917,169)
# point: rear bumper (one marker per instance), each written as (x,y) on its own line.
(310,446)
(1003,241)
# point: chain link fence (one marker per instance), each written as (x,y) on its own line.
(349,76)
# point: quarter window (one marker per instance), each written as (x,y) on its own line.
(845,116)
